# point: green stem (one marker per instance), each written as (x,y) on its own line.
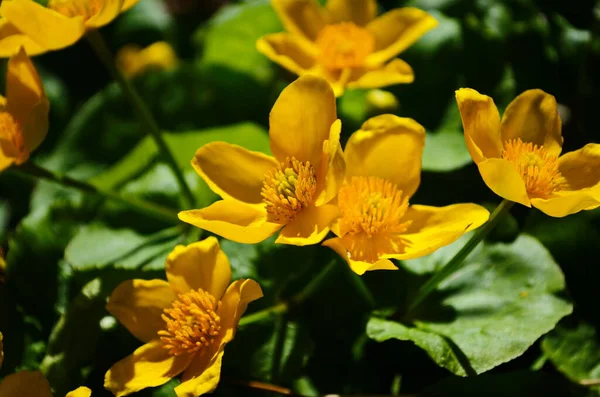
(140,108)
(362,288)
(261,315)
(146,208)
(457,261)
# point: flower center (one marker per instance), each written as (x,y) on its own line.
(344,45)
(288,189)
(537,167)
(74,8)
(191,323)
(11,138)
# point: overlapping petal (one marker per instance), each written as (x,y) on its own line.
(11,40)
(358,266)
(202,376)
(110,10)
(80,392)
(359,12)
(310,226)
(199,265)
(303,18)
(333,166)
(289,51)
(502,178)
(394,72)
(138,305)
(233,305)
(25,384)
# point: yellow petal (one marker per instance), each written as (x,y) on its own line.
(233,220)
(233,305)
(80,392)
(394,72)
(304,18)
(133,60)
(25,384)
(481,123)
(396,30)
(333,167)
(138,305)
(199,265)
(1,337)
(533,117)
(202,376)
(358,267)
(110,10)
(567,203)
(435,227)
(388,147)
(301,119)
(580,167)
(232,171)
(5,160)
(150,365)
(288,51)
(11,40)
(310,226)
(359,12)
(127,4)
(46,27)
(503,179)
(26,99)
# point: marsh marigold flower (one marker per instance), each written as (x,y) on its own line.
(184,322)
(58,25)
(377,222)
(345,41)
(519,158)
(23,113)
(290,191)
(133,60)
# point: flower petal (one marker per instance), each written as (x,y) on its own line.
(301,119)
(435,227)
(304,18)
(232,171)
(481,123)
(46,27)
(25,384)
(199,265)
(138,305)
(310,226)
(333,167)
(396,30)
(504,180)
(567,203)
(533,117)
(150,365)
(580,167)
(233,220)
(287,50)
(394,72)
(359,12)
(1,337)
(5,159)
(127,4)
(202,376)
(80,392)
(11,40)
(233,305)
(110,10)
(358,267)
(388,147)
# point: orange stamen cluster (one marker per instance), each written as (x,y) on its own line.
(192,323)
(537,167)
(344,45)
(288,189)
(74,8)
(11,138)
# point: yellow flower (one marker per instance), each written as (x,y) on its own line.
(132,60)
(33,384)
(184,323)
(518,156)
(262,194)
(345,41)
(383,171)
(56,26)
(23,113)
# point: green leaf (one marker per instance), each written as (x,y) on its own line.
(575,351)
(491,311)
(148,21)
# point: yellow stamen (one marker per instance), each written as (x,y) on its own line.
(537,167)
(11,138)
(344,45)
(74,8)
(191,323)
(288,189)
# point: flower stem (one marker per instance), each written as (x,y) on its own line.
(99,45)
(457,261)
(260,315)
(156,211)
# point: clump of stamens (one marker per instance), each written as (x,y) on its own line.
(191,323)
(537,167)
(74,8)
(344,45)
(288,189)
